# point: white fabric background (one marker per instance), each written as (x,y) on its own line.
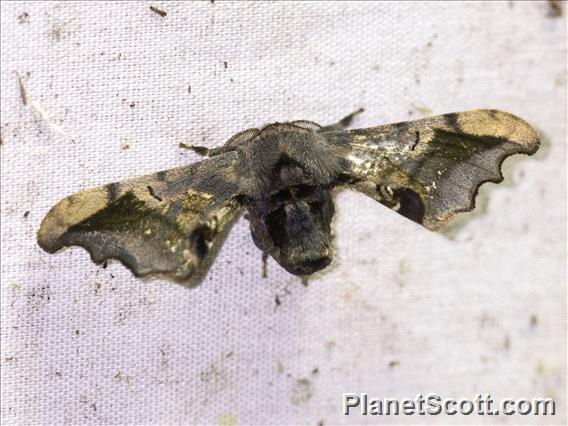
(401,311)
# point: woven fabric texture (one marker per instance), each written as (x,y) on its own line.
(96,92)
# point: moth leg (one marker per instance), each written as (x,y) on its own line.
(343,123)
(230,145)
(264,264)
(201,150)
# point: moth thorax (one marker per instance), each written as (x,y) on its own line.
(288,172)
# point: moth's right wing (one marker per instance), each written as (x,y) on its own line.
(172,222)
(430,169)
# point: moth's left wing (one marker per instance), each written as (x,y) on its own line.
(430,169)
(172,222)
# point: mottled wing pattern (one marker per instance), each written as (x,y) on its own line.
(172,222)
(430,169)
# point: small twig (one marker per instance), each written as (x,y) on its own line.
(158,11)
(23,95)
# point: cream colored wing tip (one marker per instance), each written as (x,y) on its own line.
(68,212)
(47,236)
(498,124)
(519,130)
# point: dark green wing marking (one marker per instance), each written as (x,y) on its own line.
(172,222)
(428,170)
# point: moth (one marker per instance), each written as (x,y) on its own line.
(174,222)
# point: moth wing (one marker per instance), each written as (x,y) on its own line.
(430,169)
(172,222)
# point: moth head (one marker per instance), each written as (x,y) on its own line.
(294,227)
